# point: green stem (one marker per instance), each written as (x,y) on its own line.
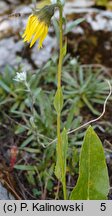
(59,86)
(61,47)
(31,98)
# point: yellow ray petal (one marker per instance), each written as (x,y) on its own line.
(43,37)
(32,31)
(27,25)
(38,34)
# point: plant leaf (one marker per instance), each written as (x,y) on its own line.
(27,141)
(25,167)
(58,100)
(64,49)
(31,150)
(56,27)
(89,105)
(73,25)
(60,169)
(93,181)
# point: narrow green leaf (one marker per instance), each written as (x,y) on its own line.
(60,169)
(32,122)
(7,100)
(92,109)
(64,49)
(31,150)
(5,87)
(64,151)
(15,106)
(93,181)
(58,100)
(73,25)
(56,28)
(20,129)
(27,141)
(24,167)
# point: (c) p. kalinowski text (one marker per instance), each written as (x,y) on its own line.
(50,207)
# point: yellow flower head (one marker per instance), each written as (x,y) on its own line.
(38,24)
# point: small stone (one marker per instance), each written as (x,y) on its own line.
(4,194)
(3,7)
(40,57)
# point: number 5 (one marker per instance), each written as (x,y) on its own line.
(103,207)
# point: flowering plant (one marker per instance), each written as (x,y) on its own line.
(93,183)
